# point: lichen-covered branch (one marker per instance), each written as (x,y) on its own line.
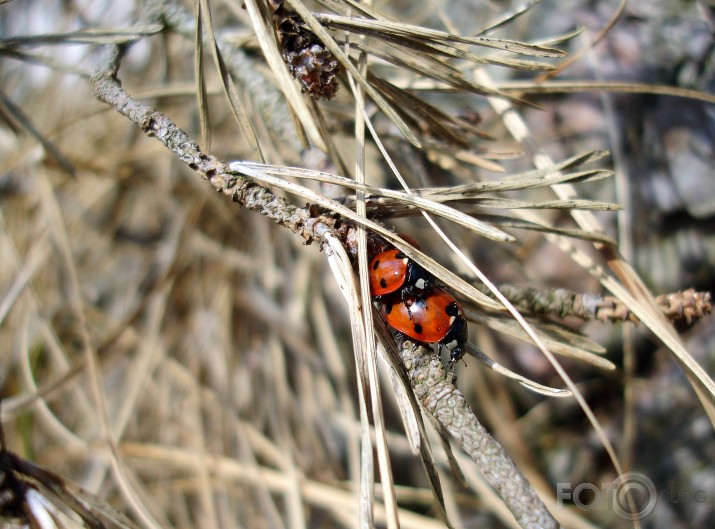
(434,388)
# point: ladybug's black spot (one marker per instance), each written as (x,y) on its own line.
(418,328)
(383,283)
(376,264)
(400,255)
(452,309)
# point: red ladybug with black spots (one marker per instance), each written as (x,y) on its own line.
(434,316)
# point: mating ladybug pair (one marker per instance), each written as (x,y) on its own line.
(412,304)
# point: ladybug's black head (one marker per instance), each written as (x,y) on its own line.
(455,340)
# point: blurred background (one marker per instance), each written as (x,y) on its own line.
(223,369)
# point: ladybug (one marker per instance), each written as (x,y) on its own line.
(392,271)
(432,317)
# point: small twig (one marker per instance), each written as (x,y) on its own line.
(433,385)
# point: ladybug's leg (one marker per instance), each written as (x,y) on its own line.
(399,338)
(407,305)
(452,362)
(417,293)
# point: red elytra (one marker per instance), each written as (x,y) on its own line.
(431,317)
(388,271)
(392,270)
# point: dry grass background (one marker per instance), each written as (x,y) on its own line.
(191,363)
